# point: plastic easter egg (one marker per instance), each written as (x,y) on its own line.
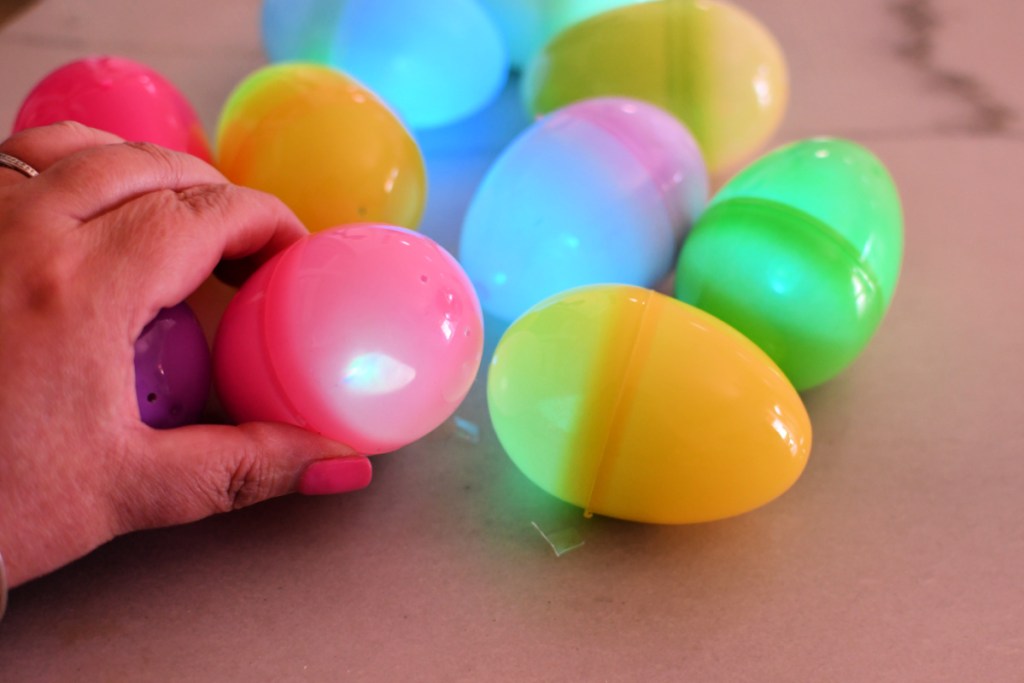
(172,369)
(434,62)
(600,191)
(528,24)
(370,335)
(801,252)
(631,404)
(119,96)
(711,64)
(324,144)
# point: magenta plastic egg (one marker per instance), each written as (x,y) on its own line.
(120,96)
(600,191)
(371,335)
(172,369)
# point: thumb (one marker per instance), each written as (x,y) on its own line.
(192,472)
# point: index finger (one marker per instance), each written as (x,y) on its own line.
(168,242)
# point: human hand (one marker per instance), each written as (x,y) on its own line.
(91,249)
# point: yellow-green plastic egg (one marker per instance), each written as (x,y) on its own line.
(526,25)
(712,64)
(323,143)
(631,404)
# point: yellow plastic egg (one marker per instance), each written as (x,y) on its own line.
(631,404)
(325,145)
(711,64)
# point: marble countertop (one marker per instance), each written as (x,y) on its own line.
(898,555)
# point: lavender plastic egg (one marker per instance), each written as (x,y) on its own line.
(601,191)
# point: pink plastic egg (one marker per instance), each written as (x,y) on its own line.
(371,335)
(119,96)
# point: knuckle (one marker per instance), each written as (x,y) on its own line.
(47,285)
(247,483)
(206,199)
(72,129)
(162,156)
(150,148)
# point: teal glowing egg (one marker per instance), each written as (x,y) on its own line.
(801,252)
(602,191)
(434,61)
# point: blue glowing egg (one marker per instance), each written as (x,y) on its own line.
(433,61)
(601,191)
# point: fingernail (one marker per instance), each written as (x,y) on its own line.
(336,475)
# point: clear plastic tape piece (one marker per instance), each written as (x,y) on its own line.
(466,430)
(561,541)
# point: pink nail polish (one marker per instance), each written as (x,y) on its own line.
(336,475)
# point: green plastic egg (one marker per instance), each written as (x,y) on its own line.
(801,252)
(713,65)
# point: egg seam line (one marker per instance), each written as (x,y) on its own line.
(640,343)
(272,369)
(634,153)
(811,222)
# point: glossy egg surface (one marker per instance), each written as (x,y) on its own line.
(801,252)
(172,369)
(601,191)
(369,334)
(711,64)
(324,144)
(120,96)
(434,61)
(630,404)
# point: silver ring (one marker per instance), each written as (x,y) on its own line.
(16,164)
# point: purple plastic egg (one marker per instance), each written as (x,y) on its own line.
(172,369)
